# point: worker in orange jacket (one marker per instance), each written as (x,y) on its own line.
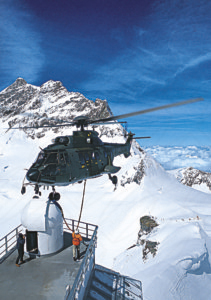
(77,239)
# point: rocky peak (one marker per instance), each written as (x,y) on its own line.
(26,105)
(51,86)
(14,98)
(19,82)
(193,177)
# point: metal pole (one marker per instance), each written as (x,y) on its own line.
(87,230)
(6,246)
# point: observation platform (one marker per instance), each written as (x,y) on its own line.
(57,276)
(44,277)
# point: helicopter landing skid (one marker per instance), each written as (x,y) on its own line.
(36,189)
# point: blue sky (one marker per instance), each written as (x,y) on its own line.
(136,54)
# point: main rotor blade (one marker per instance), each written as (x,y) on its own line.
(140,112)
(108,123)
(141,137)
(43,126)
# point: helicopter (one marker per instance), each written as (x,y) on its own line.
(82,155)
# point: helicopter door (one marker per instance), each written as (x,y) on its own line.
(62,163)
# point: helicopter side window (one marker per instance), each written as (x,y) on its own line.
(81,158)
(97,156)
(86,155)
(66,158)
(52,158)
(61,158)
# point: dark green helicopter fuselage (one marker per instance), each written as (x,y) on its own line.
(75,158)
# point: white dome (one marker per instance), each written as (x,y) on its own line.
(39,215)
(44,218)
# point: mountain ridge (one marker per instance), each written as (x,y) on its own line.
(193,177)
(49,104)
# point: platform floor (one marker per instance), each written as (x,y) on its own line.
(40,278)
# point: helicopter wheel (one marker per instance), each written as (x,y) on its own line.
(23,190)
(51,196)
(114,179)
(56,196)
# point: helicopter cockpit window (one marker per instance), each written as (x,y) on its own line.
(52,158)
(41,157)
(81,158)
(50,170)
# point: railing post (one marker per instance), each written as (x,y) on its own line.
(73,225)
(123,283)
(16,232)
(87,230)
(6,246)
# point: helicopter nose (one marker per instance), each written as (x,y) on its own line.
(32,175)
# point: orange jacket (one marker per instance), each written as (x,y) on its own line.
(76,239)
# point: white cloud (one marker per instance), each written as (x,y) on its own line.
(193,62)
(180,157)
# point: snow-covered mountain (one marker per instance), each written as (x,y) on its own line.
(194,178)
(27,105)
(151,227)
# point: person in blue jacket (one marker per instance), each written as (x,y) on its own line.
(20,247)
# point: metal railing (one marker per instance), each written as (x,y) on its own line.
(124,287)
(8,243)
(128,289)
(86,229)
(77,291)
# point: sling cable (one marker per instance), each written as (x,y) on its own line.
(82,203)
